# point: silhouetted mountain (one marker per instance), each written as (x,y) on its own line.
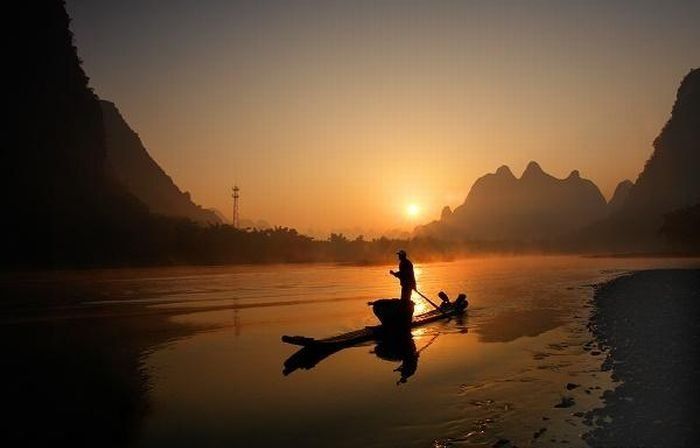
(681,229)
(55,181)
(501,207)
(620,195)
(670,177)
(669,182)
(142,176)
(446,213)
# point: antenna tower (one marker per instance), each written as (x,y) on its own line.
(236,215)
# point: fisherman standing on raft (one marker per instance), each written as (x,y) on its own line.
(405,275)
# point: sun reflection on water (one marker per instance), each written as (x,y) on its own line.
(420,306)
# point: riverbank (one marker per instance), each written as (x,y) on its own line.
(648,323)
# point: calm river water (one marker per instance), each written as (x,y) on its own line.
(199,349)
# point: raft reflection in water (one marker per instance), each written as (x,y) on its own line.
(395,347)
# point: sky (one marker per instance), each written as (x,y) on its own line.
(334,115)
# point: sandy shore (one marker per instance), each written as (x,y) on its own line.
(649,322)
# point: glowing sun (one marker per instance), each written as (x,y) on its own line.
(412,210)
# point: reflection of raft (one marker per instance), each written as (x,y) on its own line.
(378,331)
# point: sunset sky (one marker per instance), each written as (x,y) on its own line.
(336,115)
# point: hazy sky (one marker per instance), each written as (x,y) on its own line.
(340,114)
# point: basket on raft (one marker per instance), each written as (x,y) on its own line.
(395,313)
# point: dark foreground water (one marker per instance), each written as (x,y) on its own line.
(192,356)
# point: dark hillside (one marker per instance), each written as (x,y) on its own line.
(64,208)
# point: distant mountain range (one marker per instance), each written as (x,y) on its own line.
(571,213)
(134,168)
(536,206)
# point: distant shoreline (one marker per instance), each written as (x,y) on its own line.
(372,261)
(648,323)
(645,255)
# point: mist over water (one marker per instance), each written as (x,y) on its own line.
(495,374)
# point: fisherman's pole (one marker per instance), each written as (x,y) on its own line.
(429,301)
